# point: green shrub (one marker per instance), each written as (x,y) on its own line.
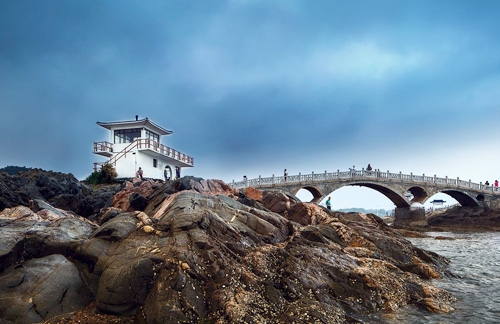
(106,175)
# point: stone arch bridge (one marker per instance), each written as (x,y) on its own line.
(402,189)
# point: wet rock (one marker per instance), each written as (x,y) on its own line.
(41,289)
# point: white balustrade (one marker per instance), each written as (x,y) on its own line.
(357,174)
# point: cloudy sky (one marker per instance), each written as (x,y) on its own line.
(251,87)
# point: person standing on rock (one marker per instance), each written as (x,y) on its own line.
(329,204)
(139,173)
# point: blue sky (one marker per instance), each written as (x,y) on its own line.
(253,87)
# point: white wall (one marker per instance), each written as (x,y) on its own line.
(127,166)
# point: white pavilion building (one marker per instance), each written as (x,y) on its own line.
(136,143)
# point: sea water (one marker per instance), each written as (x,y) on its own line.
(475,260)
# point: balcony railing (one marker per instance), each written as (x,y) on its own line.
(139,144)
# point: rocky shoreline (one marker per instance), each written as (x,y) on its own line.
(198,251)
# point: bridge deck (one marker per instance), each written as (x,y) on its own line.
(269,182)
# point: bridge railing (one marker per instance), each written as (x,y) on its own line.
(329,176)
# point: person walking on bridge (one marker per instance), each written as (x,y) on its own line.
(285,174)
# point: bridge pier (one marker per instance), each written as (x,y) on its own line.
(407,216)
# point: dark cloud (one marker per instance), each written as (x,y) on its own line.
(251,86)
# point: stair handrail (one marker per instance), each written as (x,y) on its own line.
(123,152)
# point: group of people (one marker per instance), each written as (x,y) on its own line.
(495,184)
(140,173)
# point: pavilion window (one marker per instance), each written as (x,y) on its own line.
(155,137)
(126,135)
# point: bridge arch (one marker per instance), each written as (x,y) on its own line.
(392,195)
(419,194)
(321,190)
(463,198)
(315,192)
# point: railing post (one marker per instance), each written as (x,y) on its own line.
(411,176)
(446,180)
(362,172)
(435,179)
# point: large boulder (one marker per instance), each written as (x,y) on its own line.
(27,234)
(42,288)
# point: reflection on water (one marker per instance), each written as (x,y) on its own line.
(475,259)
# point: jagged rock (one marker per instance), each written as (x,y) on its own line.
(310,214)
(61,190)
(275,201)
(278,202)
(208,253)
(132,197)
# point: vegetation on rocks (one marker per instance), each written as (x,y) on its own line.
(106,175)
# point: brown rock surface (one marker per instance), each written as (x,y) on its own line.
(202,252)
